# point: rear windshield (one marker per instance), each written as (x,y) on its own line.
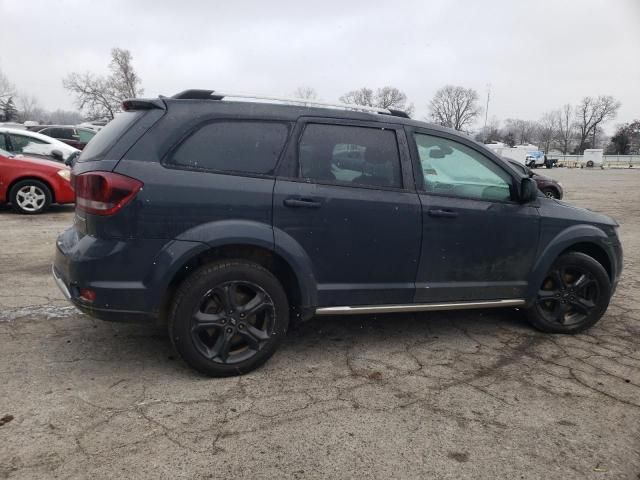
(106,138)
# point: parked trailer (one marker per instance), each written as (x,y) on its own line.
(592,157)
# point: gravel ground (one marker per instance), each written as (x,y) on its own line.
(472,394)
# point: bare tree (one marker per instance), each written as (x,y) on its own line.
(455,107)
(491,132)
(566,127)
(391,97)
(124,80)
(7,89)
(547,130)
(29,109)
(93,95)
(590,113)
(385,97)
(63,117)
(522,131)
(363,96)
(306,93)
(101,97)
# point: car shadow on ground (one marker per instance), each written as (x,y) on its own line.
(5,208)
(123,346)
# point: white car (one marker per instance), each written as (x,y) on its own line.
(33,143)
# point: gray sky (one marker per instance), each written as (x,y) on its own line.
(537,55)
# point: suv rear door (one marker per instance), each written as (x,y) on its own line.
(345,193)
(478,243)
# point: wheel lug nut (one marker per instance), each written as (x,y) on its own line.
(229,330)
(241,326)
(242,315)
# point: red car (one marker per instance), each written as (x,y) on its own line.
(30,185)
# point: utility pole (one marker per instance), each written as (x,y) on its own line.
(486,111)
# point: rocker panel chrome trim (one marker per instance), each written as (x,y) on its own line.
(418,307)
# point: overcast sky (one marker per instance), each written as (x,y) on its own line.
(537,55)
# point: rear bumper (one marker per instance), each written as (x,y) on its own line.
(72,294)
(130,278)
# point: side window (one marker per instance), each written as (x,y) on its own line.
(22,142)
(352,155)
(451,168)
(238,146)
(85,135)
(66,133)
(3,143)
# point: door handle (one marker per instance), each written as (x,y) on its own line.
(439,212)
(301,203)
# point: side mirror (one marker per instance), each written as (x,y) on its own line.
(57,154)
(71,159)
(528,190)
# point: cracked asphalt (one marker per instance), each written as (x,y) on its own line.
(472,394)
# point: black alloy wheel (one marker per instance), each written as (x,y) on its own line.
(232,322)
(228,317)
(573,296)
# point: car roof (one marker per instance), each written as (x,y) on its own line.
(289,112)
(40,136)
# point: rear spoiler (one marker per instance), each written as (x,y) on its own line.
(132,104)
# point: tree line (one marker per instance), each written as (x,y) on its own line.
(569,129)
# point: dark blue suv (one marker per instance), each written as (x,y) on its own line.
(226,218)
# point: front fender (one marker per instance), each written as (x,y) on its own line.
(561,242)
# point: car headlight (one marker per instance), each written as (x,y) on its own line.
(66,174)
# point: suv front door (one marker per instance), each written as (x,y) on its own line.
(345,194)
(479,243)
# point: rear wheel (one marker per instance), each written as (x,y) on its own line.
(30,197)
(573,296)
(228,318)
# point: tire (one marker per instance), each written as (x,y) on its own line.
(550,193)
(228,318)
(573,296)
(590,164)
(30,197)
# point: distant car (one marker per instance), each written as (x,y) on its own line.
(95,125)
(77,137)
(550,187)
(33,143)
(31,185)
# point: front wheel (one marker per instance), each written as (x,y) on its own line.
(30,197)
(550,193)
(228,318)
(573,296)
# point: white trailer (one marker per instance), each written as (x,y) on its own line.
(592,157)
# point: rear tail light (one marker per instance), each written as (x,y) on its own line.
(87,294)
(104,193)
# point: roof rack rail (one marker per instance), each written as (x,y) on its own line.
(196,94)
